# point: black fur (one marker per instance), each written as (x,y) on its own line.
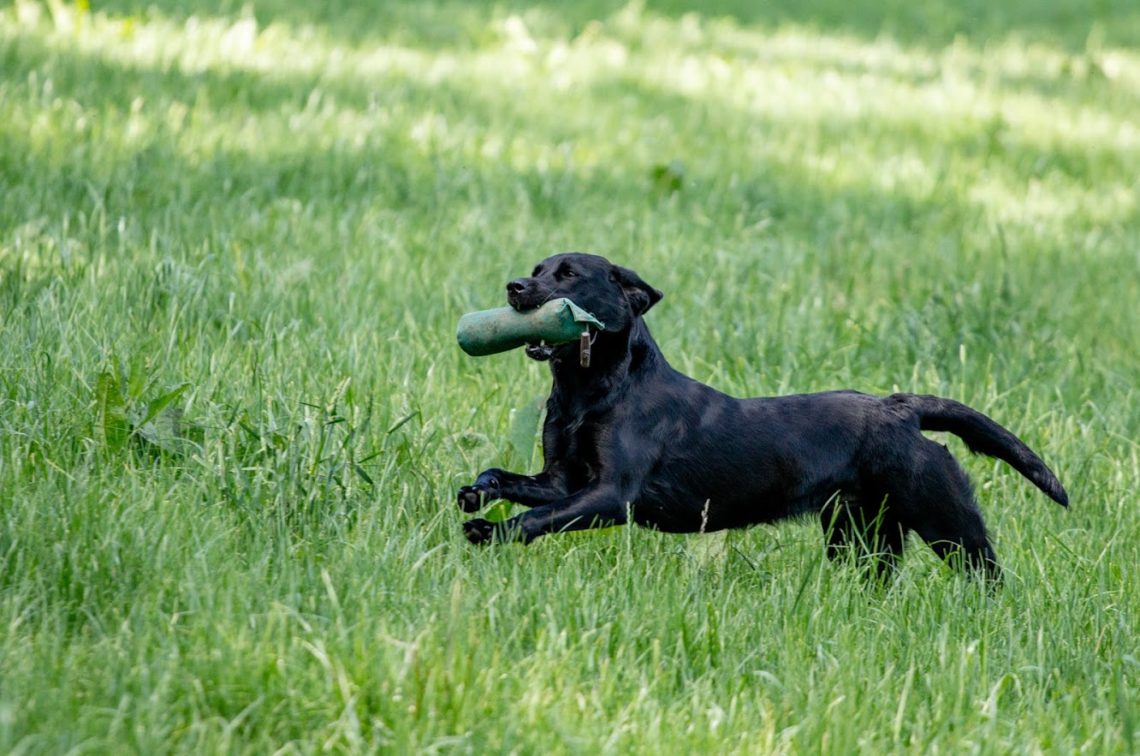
(630,438)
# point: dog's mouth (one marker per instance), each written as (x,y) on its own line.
(525,304)
(528,299)
(540,352)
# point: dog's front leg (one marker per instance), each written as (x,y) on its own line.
(598,507)
(548,487)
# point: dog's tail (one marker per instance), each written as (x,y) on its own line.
(983,436)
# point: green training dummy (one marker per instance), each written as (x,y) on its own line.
(492,331)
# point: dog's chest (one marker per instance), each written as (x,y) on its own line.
(577,434)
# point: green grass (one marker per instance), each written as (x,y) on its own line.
(283,208)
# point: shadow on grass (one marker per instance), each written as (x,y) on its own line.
(393,171)
(392,177)
(925,23)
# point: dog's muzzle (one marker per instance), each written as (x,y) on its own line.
(524,294)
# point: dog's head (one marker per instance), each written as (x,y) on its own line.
(614,295)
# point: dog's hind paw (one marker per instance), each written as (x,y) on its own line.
(479,531)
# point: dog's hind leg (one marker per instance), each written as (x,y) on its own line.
(936,500)
(865,526)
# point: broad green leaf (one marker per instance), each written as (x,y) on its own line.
(158,405)
(498,512)
(165,432)
(524,429)
(112,411)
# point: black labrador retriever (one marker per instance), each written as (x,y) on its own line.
(630,438)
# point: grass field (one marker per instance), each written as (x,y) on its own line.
(234,243)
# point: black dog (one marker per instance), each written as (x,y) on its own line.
(630,438)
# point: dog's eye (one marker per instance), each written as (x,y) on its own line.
(567,273)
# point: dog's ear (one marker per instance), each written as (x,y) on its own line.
(641,295)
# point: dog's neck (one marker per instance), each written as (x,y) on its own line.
(614,358)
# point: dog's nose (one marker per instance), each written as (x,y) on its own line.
(516,286)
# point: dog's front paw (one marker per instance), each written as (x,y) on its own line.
(471,499)
(482,532)
(479,531)
(484,490)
